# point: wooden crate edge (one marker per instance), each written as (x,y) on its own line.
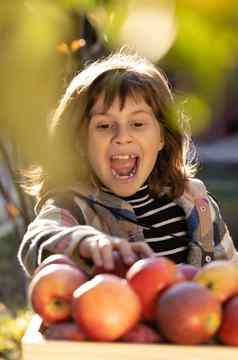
(36,347)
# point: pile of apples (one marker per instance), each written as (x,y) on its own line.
(152,301)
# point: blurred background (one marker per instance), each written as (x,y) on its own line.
(44,43)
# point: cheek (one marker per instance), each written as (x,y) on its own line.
(92,154)
(154,154)
(153,146)
(92,141)
(96,151)
(89,149)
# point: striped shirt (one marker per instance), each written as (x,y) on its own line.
(164,224)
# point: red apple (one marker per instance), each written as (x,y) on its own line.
(228,332)
(221,277)
(51,290)
(66,330)
(120,268)
(189,271)
(55,259)
(106,307)
(142,333)
(148,277)
(188,313)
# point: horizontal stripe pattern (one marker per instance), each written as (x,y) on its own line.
(173,251)
(162,238)
(164,224)
(154,211)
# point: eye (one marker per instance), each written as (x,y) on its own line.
(138,123)
(103,126)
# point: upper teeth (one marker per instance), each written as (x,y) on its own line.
(123,156)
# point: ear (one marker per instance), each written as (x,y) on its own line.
(161,141)
(161,145)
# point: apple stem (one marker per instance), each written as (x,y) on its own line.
(209,285)
(59,302)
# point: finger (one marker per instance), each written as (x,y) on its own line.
(84,248)
(143,249)
(107,257)
(95,254)
(126,251)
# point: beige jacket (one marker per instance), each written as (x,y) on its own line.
(94,212)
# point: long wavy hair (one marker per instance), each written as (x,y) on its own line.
(119,75)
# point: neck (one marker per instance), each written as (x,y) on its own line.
(142,189)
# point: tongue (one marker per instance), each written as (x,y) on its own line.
(123,166)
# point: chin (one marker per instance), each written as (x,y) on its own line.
(124,191)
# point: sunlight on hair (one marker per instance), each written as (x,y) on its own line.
(200,114)
(197,110)
(150,29)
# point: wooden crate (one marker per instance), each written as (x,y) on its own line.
(35,347)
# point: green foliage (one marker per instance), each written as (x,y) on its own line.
(206,49)
(77,4)
(12,328)
(33,72)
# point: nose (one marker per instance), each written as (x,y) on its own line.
(122,135)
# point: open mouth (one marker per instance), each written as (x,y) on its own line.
(124,166)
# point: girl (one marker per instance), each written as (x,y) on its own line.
(122,180)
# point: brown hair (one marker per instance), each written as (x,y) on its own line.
(121,75)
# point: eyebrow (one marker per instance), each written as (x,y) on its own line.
(95,112)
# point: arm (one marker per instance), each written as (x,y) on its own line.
(56,230)
(52,232)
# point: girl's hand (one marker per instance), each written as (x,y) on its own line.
(100,248)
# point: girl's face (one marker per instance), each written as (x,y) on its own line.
(123,144)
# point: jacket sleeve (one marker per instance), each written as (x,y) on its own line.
(53,231)
(223,244)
